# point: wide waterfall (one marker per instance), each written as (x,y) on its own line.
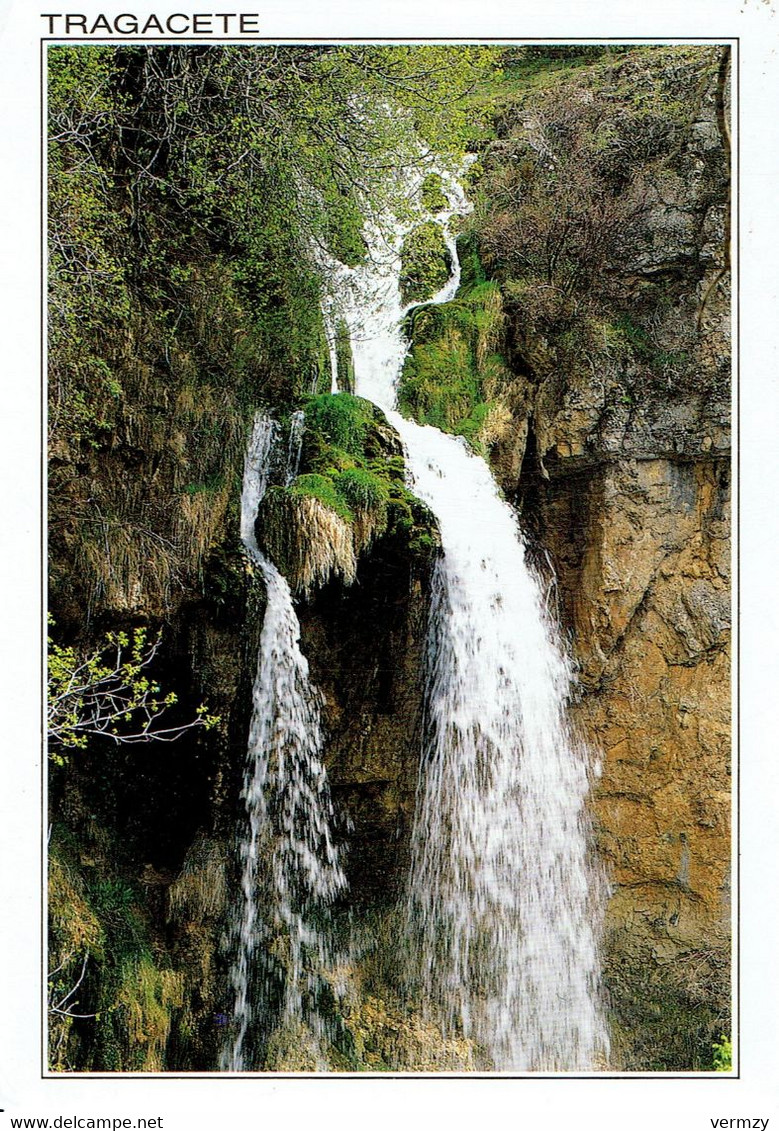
(290,864)
(504,903)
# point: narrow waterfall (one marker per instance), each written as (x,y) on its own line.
(503,904)
(290,865)
(294,445)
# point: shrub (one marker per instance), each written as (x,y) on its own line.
(362,489)
(723,1054)
(108,694)
(426,263)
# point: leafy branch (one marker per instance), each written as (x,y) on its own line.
(109,694)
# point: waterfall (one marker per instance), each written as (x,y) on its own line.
(290,865)
(294,445)
(504,903)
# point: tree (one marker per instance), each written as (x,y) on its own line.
(109,694)
(307,135)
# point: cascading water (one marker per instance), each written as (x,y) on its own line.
(503,904)
(367,299)
(294,445)
(290,864)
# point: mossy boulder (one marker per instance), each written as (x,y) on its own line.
(426,263)
(350,492)
(455,373)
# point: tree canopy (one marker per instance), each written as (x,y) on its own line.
(259,153)
(306,137)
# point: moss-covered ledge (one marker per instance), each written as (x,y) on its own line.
(350,493)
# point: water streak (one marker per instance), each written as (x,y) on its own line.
(290,864)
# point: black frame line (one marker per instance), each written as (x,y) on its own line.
(734,43)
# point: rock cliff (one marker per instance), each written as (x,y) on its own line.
(588,357)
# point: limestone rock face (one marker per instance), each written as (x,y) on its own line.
(644,574)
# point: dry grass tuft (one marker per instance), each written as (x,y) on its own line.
(147,998)
(200,890)
(308,541)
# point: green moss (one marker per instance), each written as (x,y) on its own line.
(352,463)
(722,1050)
(340,439)
(128,995)
(323,488)
(362,490)
(344,359)
(426,263)
(471,268)
(341,420)
(454,367)
(432,193)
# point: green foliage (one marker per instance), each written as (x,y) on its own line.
(348,464)
(87,275)
(472,272)
(108,694)
(723,1054)
(338,437)
(432,193)
(454,369)
(426,263)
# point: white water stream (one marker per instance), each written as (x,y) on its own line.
(504,904)
(290,865)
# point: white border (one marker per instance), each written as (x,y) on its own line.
(344,1103)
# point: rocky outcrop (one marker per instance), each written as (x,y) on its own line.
(360,555)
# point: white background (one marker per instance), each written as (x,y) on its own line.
(632,1103)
